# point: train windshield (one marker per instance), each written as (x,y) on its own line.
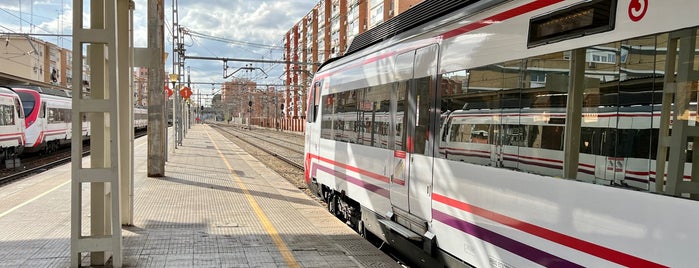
(28,102)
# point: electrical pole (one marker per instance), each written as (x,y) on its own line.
(157,98)
(175,69)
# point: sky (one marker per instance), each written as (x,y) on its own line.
(246,29)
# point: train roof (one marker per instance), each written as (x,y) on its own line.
(6,89)
(44,90)
(416,20)
(420,14)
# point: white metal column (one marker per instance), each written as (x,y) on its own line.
(126,103)
(100,44)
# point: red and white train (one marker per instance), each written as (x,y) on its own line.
(45,117)
(555,133)
(48,118)
(12,136)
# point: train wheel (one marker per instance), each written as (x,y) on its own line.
(332,204)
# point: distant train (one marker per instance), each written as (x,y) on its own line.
(533,133)
(12,136)
(37,119)
(140,118)
(48,119)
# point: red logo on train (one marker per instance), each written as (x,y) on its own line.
(637,9)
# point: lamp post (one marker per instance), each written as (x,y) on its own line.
(274,102)
(173,80)
(249,112)
(198,108)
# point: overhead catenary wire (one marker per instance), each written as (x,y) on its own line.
(31,24)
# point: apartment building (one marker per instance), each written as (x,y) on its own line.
(33,59)
(326,32)
(25,59)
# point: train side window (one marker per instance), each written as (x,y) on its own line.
(552,137)
(625,143)
(400,118)
(314,97)
(3,115)
(608,142)
(10,115)
(533,137)
(345,123)
(374,108)
(7,115)
(587,142)
(642,144)
(480,133)
(18,106)
(327,117)
(456,134)
(422,122)
(444,129)
(514,135)
(51,116)
(524,103)
(42,110)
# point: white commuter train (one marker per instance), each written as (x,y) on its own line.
(12,136)
(140,118)
(517,133)
(48,118)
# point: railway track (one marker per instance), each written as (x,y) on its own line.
(37,163)
(293,157)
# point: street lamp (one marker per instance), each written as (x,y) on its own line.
(173,79)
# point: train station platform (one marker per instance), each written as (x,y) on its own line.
(217,206)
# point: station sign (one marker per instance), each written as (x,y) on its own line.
(185,92)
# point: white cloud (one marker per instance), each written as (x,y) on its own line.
(254,21)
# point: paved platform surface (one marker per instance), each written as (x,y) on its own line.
(216,207)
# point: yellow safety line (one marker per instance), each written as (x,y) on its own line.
(43,194)
(286,253)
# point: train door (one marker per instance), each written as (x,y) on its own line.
(42,118)
(422,132)
(411,176)
(399,127)
(313,129)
